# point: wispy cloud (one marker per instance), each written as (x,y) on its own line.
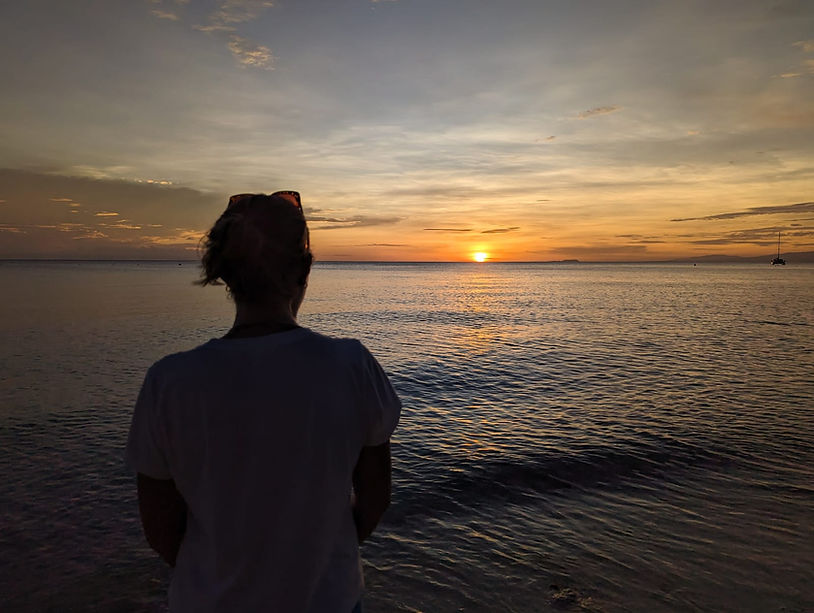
(603,251)
(784,209)
(90,234)
(120,225)
(806,45)
(106,214)
(181,237)
(355,221)
(640,239)
(447,230)
(249,54)
(384,245)
(154,181)
(599,110)
(500,230)
(224,21)
(69,201)
(764,237)
(239,11)
(165,14)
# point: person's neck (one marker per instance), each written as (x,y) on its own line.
(259,319)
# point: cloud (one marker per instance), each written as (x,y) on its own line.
(212,28)
(182,237)
(500,230)
(790,75)
(599,110)
(224,20)
(640,239)
(249,54)
(784,209)
(447,230)
(93,234)
(239,11)
(120,225)
(384,245)
(602,252)
(356,221)
(154,181)
(69,201)
(164,14)
(230,13)
(764,237)
(24,228)
(806,45)
(140,220)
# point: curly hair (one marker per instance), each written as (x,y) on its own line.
(259,247)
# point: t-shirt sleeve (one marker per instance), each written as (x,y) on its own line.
(145,451)
(381,405)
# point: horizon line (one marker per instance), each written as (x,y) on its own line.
(686,259)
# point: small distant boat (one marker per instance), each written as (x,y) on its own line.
(778,259)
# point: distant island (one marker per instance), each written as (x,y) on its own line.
(793,257)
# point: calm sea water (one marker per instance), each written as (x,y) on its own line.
(574,437)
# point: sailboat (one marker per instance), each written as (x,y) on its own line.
(778,259)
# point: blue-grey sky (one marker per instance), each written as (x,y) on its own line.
(415,129)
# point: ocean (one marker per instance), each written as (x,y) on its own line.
(575,437)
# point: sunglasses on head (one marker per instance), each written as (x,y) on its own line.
(291,196)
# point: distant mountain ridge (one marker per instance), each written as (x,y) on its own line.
(793,257)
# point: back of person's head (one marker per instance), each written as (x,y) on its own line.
(260,248)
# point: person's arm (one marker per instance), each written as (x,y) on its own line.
(371,483)
(163,515)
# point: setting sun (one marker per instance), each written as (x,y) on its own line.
(480,256)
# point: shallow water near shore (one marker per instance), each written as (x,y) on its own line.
(574,437)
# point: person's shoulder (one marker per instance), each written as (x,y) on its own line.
(342,345)
(178,361)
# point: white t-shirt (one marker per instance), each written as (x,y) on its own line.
(261,436)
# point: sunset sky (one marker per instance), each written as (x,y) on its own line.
(414,129)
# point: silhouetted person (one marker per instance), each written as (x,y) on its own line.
(246,447)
